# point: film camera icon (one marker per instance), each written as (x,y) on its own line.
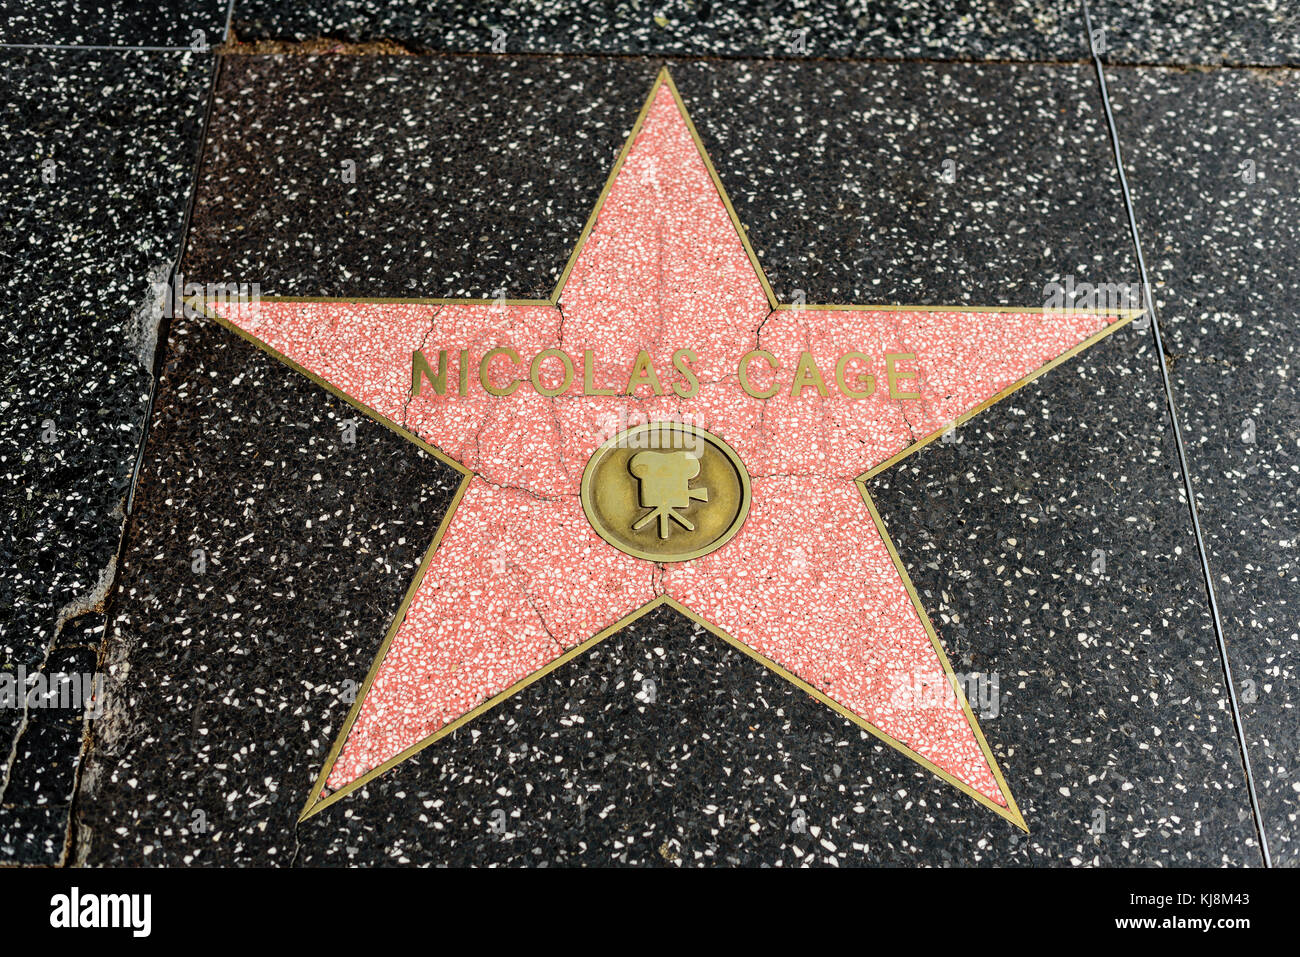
(637,494)
(665,489)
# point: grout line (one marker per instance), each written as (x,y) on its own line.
(681,56)
(664,55)
(160,348)
(1190,492)
(106,47)
(164,324)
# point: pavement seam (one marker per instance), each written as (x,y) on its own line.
(389,46)
(77,841)
(1188,489)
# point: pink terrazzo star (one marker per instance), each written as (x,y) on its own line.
(810,584)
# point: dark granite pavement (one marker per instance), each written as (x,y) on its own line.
(97,153)
(1213,162)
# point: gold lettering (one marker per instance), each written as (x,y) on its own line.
(807,375)
(535,372)
(588,376)
(421,370)
(895,374)
(865,380)
(680,359)
(643,373)
(743,372)
(483,370)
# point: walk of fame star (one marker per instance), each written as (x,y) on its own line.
(530,567)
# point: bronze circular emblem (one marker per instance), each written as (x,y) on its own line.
(666,492)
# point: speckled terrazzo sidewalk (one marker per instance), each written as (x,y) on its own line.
(320,619)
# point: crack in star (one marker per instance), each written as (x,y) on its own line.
(433,324)
(541,618)
(525,490)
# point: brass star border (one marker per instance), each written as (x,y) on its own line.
(316,803)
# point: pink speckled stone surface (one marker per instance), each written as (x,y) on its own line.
(520,576)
